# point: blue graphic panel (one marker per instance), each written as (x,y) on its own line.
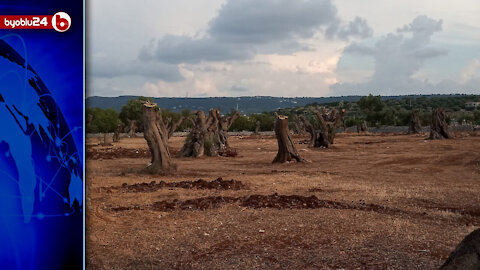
(41,141)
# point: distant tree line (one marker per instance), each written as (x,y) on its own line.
(396,112)
(372,109)
(107,120)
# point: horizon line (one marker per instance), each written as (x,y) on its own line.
(404,95)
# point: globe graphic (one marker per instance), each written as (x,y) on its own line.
(41,186)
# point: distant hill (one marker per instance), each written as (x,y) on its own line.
(246,105)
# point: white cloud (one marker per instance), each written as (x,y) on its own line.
(471,72)
(398,58)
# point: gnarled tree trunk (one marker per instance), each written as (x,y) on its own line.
(362,126)
(328,122)
(224,125)
(439,126)
(132,129)
(317,137)
(310,129)
(156,135)
(116,134)
(172,126)
(107,139)
(209,136)
(286,148)
(415,126)
(257,128)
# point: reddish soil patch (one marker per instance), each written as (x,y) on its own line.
(218,184)
(113,153)
(260,201)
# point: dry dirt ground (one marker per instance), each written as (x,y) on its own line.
(368,202)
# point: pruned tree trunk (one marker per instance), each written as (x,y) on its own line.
(107,139)
(439,126)
(310,129)
(132,129)
(209,136)
(172,126)
(466,255)
(257,128)
(156,135)
(286,148)
(362,126)
(415,125)
(328,122)
(116,134)
(89,118)
(225,124)
(194,145)
(317,137)
(332,120)
(322,133)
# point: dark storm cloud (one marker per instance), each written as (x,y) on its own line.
(258,22)
(184,49)
(358,28)
(243,28)
(397,59)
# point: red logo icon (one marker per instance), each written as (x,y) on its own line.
(61,21)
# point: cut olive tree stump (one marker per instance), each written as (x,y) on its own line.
(466,255)
(132,129)
(317,137)
(286,148)
(172,126)
(362,126)
(107,140)
(328,121)
(415,125)
(156,135)
(209,136)
(439,126)
(116,134)
(257,128)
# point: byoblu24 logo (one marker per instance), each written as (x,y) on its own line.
(23,22)
(61,21)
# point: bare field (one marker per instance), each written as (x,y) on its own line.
(380,202)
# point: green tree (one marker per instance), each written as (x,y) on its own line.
(372,107)
(476,117)
(243,123)
(371,103)
(266,121)
(133,111)
(102,120)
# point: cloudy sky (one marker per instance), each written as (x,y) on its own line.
(204,48)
